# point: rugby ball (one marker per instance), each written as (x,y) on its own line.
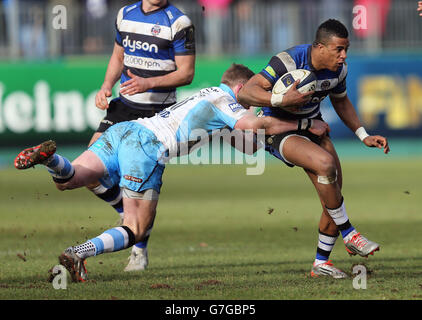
(308,81)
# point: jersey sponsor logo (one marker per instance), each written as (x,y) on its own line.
(139,45)
(235,106)
(137,62)
(317,99)
(105,121)
(164,114)
(134,179)
(271,71)
(155,30)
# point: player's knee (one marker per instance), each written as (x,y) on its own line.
(93,185)
(327,169)
(61,186)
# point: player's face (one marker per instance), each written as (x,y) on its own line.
(335,53)
(156,3)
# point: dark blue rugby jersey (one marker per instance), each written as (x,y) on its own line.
(328,83)
(151,41)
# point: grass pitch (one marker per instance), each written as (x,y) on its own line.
(219,234)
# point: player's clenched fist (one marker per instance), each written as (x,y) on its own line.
(101,98)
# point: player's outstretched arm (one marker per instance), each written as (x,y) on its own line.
(276,126)
(273,125)
(348,115)
(420,8)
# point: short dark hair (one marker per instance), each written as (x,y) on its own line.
(328,29)
(236,74)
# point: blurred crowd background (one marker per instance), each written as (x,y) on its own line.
(239,27)
(54,54)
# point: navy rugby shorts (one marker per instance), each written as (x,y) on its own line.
(273,142)
(118,111)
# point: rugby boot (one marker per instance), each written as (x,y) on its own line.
(75,265)
(138,259)
(35,155)
(358,244)
(327,269)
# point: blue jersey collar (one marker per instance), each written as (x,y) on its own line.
(226,88)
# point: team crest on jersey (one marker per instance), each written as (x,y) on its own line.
(325,85)
(155,30)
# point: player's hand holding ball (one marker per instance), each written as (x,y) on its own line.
(293,89)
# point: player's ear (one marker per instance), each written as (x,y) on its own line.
(237,88)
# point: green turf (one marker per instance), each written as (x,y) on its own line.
(214,236)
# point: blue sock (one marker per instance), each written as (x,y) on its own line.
(341,219)
(143,244)
(112,240)
(347,229)
(325,246)
(60,168)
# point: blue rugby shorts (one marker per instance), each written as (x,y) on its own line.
(130,154)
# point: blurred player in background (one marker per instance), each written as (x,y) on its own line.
(133,155)
(420,8)
(326,57)
(154,52)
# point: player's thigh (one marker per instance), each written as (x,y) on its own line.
(94,138)
(327,145)
(306,154)
(88,169)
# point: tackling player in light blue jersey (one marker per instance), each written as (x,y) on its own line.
(132,155)
(326,58)
(154,52)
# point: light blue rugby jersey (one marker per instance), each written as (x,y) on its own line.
(151,41)
(328,83)
(182,125)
